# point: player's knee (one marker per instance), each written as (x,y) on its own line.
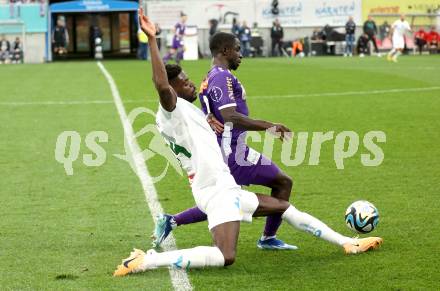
(287,183)
(285,186)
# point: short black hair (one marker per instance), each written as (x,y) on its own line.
(173,71)
(220,41)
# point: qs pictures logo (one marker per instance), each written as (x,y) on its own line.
(68,145)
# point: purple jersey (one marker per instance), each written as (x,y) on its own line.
(179,31)
(220,89)
(178,35)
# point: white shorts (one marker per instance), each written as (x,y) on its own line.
(398,42)
(225,202)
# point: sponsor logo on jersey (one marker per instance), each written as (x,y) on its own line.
(230,89)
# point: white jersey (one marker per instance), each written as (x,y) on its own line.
(193,143)
(400,28)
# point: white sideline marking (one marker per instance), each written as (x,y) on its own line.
(346,93)
(349,93)
(85,102)
(179,278)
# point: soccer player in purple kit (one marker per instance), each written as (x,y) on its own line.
(222,95)
(177,47)
(184,127)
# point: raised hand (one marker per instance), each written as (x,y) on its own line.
(146,24)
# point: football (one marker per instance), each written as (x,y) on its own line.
(362,217)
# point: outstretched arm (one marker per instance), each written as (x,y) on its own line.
(242,121)
(168,97)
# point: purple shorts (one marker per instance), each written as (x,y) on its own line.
(177,43)
(258,170)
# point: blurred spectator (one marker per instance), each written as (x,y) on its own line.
(143,45)
(17,51)
(13,4)
(420,39)
(370,29)
(317,35)
(255,30)
(42,8)
(433,40)
(60,37)
(298,48)
(213,24)
(362,45)
(235,27)
(245,39)
(277,35)
(5,48)
(95,37)
(257,42)
(384,30)
(158,35)
(350,28)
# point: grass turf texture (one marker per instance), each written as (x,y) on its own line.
(69,232)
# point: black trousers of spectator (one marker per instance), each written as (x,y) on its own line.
(363,49)
(279,43)
(420,42)
(372,38)
(159,42)
(433,47)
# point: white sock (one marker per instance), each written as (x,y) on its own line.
(197,257)
(392,52)
(308,223)
(398,53)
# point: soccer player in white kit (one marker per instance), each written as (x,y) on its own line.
(193,142)
(398,30)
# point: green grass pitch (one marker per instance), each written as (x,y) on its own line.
(60,232)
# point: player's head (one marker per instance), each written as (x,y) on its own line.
(226,47)
(370,17)
(180,83)
(183,17)
(402,17)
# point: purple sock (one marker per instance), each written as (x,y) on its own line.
(191,215)
(167,57)
(273,222)
(179,56)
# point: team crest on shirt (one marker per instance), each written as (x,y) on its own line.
(217,94)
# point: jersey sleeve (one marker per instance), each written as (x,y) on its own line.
(220,90)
